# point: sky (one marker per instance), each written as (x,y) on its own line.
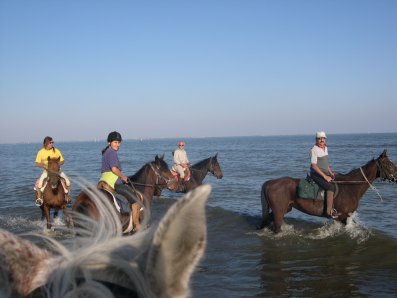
(77,70)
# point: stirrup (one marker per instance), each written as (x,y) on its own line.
(334,213)
(39,202)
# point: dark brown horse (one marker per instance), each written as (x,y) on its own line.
(54,193)
(198,172)
(144,182)
(280,195)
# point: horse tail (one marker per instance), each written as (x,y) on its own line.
(266,217)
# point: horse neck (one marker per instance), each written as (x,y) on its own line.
(145,180)
(370,171)
(201,169)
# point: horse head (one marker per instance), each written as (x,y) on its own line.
(387,170)
(215,167)
(53,170)
(163,173)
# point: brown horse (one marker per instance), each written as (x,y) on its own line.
(144,182)
(54,193)
(198,172)
(281,194)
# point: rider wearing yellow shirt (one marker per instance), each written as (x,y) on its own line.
(49,150)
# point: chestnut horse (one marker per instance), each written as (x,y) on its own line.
(143,182)
(54,193)
(280,194)
(198,172)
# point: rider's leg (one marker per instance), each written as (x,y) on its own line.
(330,202)
(39,185)
(66,187)
(126,192)
(181,171)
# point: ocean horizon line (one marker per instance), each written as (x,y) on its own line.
(141,139)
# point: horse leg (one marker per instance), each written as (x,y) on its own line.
(266,220)
(278,221)
(135,216)
(46,211)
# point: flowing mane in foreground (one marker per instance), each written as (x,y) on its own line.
(280,195)
(155,262)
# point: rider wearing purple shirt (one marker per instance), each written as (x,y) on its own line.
(111,168)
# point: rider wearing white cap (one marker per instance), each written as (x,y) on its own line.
(181,161)
(321,172)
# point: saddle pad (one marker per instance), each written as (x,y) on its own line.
(122,205)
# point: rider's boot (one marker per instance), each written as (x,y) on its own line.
(135,209)
(331,211)
(39,197)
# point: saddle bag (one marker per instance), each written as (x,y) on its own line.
(308,189)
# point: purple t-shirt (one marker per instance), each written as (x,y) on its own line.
(110,159)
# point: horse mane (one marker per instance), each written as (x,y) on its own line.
(353,171)
(86,265)
(201,164)
(139,175)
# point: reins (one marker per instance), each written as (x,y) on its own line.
(158,175)
(360,182)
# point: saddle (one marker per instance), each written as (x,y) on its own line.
(122,205)
(308,189)
(187,174)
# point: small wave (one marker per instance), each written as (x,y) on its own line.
(354,229)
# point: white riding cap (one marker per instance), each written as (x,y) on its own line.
(321,134)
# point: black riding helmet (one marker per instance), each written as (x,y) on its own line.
(114,136)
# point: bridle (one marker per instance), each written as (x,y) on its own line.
(383,173)
(53,173)
(156,170)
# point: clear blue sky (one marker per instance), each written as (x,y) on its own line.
(76,70)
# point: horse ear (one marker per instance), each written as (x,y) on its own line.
(59,159)
(384,153)
(178,244)
(48,158)
(216,155)
(161,156)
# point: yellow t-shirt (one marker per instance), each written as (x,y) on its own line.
(43,154)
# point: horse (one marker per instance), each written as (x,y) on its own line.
(143,182)
(155,262)
(198,172)
(280,195)
(54,193)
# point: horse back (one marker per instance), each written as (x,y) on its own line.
(281,188)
